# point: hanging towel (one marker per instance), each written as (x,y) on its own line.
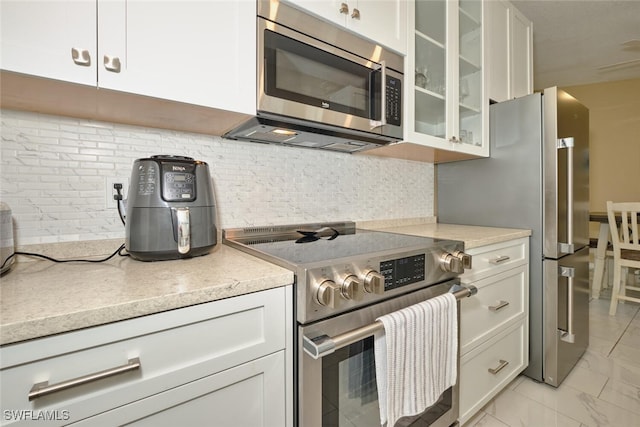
(416,357)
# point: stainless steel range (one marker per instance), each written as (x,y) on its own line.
(344,279)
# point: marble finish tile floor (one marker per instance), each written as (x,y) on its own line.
(602,390)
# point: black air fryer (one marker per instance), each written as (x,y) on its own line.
(170,209)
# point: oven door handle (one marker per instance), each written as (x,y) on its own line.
(324,345)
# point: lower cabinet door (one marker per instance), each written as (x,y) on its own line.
(252,394)
(487,369)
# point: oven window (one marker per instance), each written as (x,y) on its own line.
(350,394)
(306,74)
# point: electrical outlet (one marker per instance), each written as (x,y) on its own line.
(109,201)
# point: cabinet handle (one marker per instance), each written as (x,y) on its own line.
(501,304)
(355,14)
(43,388)
(81,57)
(454,140)
(112,63)
(500,367)
(344,8)
(500,259)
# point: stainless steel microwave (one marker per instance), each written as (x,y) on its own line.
(320,86)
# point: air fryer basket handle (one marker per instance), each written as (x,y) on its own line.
(183,229)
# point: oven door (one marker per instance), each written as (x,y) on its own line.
(339,389)
(304,78)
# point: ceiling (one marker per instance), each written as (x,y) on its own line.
(579,42)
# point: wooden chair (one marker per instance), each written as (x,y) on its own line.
(626,249)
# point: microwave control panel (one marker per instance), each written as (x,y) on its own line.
(394,101)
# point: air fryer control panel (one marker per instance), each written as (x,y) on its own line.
(178,182)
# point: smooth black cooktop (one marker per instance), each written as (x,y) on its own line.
(299,251)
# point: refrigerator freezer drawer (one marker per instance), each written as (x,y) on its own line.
(566,309)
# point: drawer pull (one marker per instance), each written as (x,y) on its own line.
(43,388)
(501,366)
(500,259)
(501,304)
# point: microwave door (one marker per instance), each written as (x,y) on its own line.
(302,73)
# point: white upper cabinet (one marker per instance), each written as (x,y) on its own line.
(53,39)
(521,63)
(446,103)
(201,53)
(383,21)
(509,52)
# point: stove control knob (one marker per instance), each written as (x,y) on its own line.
(465,258)
(352,288)
(328,293)
(373,282)
(451,263)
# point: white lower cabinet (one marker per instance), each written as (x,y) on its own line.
(246,395)
(494,323)
(220,363)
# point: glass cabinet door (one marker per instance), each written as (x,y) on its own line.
(447,103)
(470,87)
(431,77)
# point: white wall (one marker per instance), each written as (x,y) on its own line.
(54,171)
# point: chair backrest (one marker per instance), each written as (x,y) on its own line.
(625,237)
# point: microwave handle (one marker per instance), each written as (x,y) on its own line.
(383,98)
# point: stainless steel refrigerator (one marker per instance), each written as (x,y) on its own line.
(536,178)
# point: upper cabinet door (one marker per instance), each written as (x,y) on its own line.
(446,98)
(53,39)
(498,80)
(509,52)
(198,52)
(521,55)
(382,21)
(470,127)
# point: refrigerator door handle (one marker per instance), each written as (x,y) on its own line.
(568,335)
(568,143)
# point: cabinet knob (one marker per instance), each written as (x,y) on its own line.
(81,57)
(112,63)
(344,8)
(355,14)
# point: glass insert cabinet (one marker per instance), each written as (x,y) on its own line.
(447,104)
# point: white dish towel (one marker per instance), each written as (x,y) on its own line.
(416,357)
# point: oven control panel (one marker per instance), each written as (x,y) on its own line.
(325,290)
(403,271)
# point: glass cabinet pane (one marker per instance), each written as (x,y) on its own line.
(431,67)
(470,71)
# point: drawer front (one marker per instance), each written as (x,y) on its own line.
(252,394)
(492,259)
(181,348)
(485,371)
(500,300)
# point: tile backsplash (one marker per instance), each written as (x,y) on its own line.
(54,173)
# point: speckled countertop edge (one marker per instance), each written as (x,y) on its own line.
(41,298)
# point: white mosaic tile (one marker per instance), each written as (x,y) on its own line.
(54,172)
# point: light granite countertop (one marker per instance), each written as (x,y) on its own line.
(472,236)
(42,298)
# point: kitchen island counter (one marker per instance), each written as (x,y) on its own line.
(42,298)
